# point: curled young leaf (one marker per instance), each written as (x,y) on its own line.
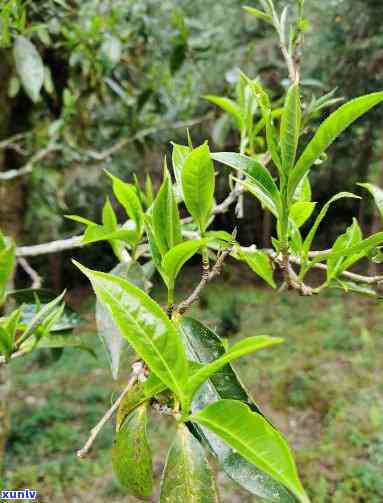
(377,194)
(290,128)
(126,195)
(166,222)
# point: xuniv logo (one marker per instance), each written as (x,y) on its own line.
(25,494)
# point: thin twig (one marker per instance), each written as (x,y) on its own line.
(28,167)
(36,279)
(11,140)
(22,352)
(215,271)
(51,247)
(138,367)
(105,154)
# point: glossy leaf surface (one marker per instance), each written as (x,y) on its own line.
(290,128)
(145,325)
(165,218)
(260,182)
(198,181)
(328,132)
(204,346)
(109,333)
(241,348)
(175,258)
(249,433)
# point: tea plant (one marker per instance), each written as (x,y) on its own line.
(182,368)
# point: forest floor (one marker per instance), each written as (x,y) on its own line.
(323,388)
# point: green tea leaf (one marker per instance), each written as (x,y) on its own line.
(165,217)
(7,265)
(310,236)
(259,14)
(300,212)
(241,348)
(303,191)
(187,475)
(351,237)
(259,181)
(29,67)
(328,132)
(109,333)
(95,233)
(364,246)
(204,346)
(126,195)
(377,194)
(248,433)
(179,155)
(132,456)
(138,394)
(229,106)
(79,219)
(145,325)
(198,181)
(290,128)
(42,315)
(175,258)
(260,263)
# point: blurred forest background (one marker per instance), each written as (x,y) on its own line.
(123,78)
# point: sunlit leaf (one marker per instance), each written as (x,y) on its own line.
(328,132)
(248,433)
(229,106)
(177,256)
(126,195)
(204,346)
(241,348)
(290,128)
(259,14)
(198,181)
(165,217)
(300,212)
(259,180)
(260,263)
(145,325)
